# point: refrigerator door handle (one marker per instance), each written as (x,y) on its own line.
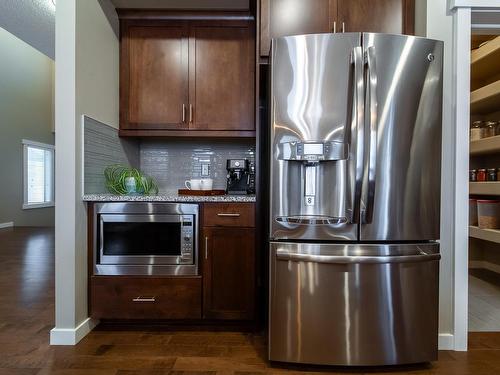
(345,259)
(371,104)
(358,131)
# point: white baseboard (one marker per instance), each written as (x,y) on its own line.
(446,341)
(71,336)
(7,225)
(68,336)
(485,265)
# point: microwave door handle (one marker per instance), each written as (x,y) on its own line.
(357,107)
(101,240)
(371,102)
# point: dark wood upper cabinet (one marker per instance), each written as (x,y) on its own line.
(222,78)
(187,74)
(229,273)
(380,16)
(292,17)
(154,79)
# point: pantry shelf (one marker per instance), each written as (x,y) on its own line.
(488,145)
(484,61)
(484,188)
(492,235)
(486,99)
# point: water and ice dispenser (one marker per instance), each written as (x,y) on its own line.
(314,188)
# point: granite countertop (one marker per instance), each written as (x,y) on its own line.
(167,198)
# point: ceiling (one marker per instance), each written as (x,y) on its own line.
(32,21)
(182,4)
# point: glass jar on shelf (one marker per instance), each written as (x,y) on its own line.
(476,130)
(473,175)
(492,174)
(481,175)
(490,128)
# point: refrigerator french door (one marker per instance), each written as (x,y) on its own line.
(355,198)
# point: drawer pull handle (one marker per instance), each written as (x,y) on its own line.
(229,215)
(144,299)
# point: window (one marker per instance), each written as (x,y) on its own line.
(38,175)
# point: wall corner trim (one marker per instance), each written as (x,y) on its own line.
(7,225)
(446,341)
(71,336)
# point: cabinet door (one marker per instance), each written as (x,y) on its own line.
(293,17)
(222,78)
(379,16)
(154,80)
(228,273)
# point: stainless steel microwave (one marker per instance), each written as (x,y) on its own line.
(140,238)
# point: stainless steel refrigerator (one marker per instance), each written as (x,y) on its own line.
(355,198)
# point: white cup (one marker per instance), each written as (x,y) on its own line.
(193,184)
(206,183)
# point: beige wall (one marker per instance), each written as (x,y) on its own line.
(26,112)
(420,17)
(86,83)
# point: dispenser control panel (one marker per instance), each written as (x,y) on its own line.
(313,151)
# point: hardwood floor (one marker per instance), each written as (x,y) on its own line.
(26,317)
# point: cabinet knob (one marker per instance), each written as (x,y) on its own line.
(334,28)
(190,113)
(343,27)
(183,113)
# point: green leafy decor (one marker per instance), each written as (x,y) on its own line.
(123,180)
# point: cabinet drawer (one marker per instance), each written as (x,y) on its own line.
(124,297)
(229,214)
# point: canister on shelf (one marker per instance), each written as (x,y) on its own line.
(489,129)
(492,174)
(481,175)
(476,130)
(488,212)
(473,175)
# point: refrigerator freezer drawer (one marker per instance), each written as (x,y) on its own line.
(354,305)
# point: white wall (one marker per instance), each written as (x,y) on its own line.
(439,25)
(86,83)
(97,58)
(26,112)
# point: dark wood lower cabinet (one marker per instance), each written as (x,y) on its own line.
(228,273)
(129,297)
(224,290)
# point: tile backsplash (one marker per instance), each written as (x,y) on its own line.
(169,161)
(172,162)
(101,148)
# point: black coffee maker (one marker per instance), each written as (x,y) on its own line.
(240,177)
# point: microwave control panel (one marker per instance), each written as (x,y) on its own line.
(187,235)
